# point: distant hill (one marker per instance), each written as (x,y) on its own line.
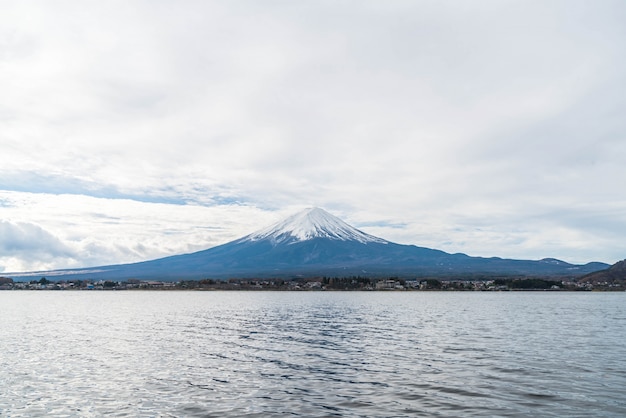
(316,243)
(615,274)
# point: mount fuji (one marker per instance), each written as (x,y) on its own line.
(316,243)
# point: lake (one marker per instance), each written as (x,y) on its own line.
(312,354)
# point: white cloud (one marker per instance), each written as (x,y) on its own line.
(477,125)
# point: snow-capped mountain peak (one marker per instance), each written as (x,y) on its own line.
(309,224)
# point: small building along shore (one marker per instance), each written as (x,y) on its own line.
(355,283)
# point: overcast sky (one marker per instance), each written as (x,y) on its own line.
(131,130)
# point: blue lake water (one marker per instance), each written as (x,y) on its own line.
(312,354)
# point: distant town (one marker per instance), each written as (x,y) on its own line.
(355,283)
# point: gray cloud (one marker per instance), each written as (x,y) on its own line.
(21,238)
(25,244)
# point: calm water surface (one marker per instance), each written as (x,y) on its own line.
(312,354)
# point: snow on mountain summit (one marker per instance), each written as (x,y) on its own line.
(312,223)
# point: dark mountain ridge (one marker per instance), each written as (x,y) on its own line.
(615,274)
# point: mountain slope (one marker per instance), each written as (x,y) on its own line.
(614,274)
(315,243)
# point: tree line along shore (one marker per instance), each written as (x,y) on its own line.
(354,283)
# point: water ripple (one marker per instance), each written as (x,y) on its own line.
(248,354)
